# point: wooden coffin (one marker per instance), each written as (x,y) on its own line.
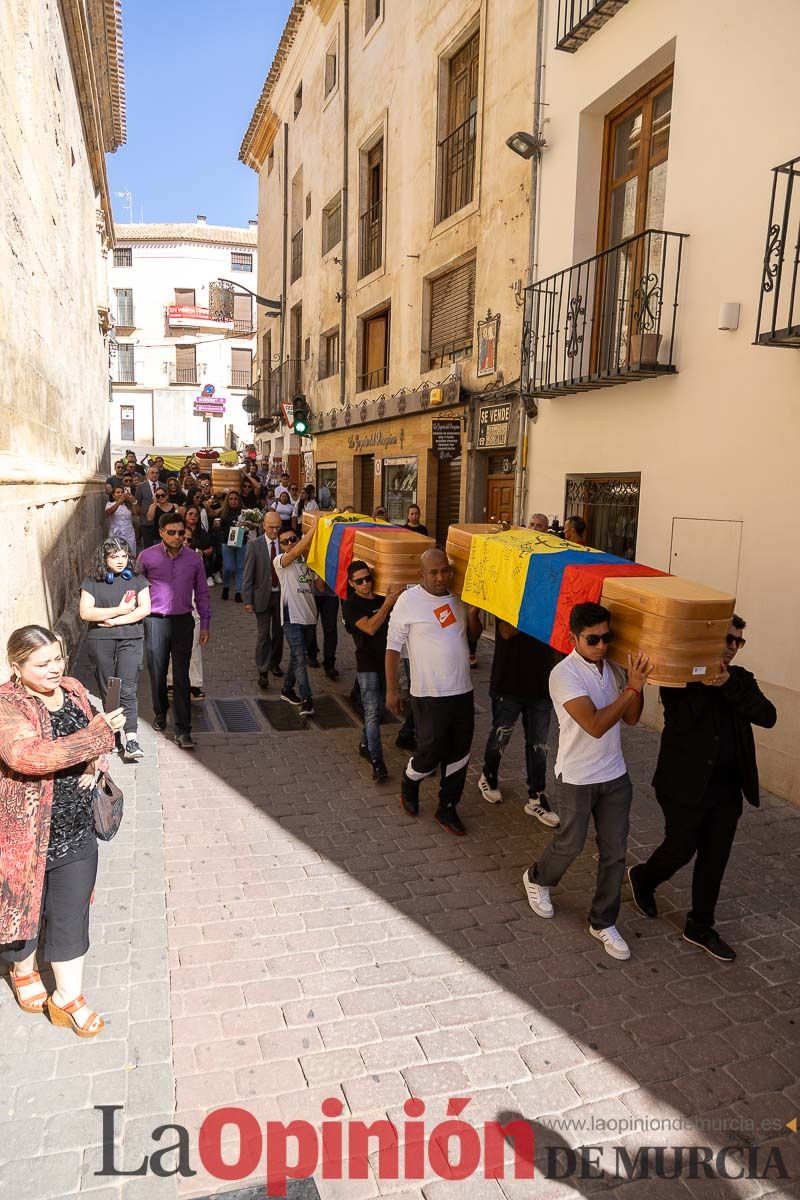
(458,545)
(392,554)
(679,624)
(225,479)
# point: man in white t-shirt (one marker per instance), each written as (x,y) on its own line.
(298,584)
(429,624)
(591,696)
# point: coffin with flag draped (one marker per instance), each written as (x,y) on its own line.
(391,552)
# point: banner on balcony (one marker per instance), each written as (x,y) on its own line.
(533,580)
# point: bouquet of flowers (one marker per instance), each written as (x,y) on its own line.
(251,517)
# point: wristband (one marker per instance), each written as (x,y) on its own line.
(635,691)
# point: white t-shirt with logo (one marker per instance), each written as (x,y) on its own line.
(297,591)
(582,758)
(432,631)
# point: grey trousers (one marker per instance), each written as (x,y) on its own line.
(609,804)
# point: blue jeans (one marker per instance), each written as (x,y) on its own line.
(297,670)
(233,563)
(373,698)
(536,716)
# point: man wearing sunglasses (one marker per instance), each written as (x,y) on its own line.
(706,762)
(298,584)
(366,618)
(591,696)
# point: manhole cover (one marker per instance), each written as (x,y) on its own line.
(282,716)
(236,716)
(329,714)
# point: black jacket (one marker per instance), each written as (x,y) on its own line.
(690,741)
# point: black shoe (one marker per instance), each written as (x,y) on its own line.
(263,682)
(238,597)
(313,661)
(406,741)
(225,593)
(159,723)
(449,819)
(364,752)
(185,741)
(291,697)
(710,941)
(379,771)
(307,708)
(197,694)
(277,671)
(132,751)
(409,795)
(643,900)
(331,672)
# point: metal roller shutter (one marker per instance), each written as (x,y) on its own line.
(452,310)
(448,494)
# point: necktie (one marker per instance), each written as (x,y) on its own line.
(272,553)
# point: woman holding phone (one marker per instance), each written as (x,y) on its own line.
(115,599)
(50,741)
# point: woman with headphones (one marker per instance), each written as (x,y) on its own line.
(115,599)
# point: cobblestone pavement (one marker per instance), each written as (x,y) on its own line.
(323,944)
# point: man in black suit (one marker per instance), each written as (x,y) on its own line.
(706,762)
(261,593)
(145,494)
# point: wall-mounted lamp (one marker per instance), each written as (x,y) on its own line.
(728,315)
(526,144)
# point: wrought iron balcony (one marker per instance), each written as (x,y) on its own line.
(457,168)
(370,247)
(297,256)
(608,320)
(285,382)
(778,322)
(240,379)
(579,19)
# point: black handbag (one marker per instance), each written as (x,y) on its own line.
(107,807)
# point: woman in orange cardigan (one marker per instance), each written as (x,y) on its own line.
(50,740)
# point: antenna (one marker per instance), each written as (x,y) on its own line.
(127,195)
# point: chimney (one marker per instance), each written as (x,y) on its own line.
(201,219)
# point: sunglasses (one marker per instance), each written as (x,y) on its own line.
(594,639)
(362,579)
(732,640)
(174,532)
(160,495)
(288,541)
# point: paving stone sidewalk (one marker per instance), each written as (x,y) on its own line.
(323,944)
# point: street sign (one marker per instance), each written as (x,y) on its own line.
(209,408)
(446,438)
(288,413)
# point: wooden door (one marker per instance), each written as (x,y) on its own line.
(367,483)
(376,351)
(500,498)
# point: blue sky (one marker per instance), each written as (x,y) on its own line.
(193,74)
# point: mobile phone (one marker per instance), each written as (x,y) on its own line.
(113,693)
(129,595)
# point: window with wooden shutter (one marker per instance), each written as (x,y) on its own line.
(452,315)
(184,297)
(241,367)
(186,364)
(332,223)
(374,352)
(242,312)
(124,305)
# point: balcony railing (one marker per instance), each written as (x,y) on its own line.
(449,352)
(370,254)
(125,317)
(778,322)
(608,320)
(297,256)
(240,379)
(579,19)
(285,382)
(378,377)
(126,373)
(457,168)
(185,375)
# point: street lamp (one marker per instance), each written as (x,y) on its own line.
(276,306)
(526,144)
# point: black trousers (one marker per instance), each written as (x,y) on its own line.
(123,658)
(148,534)
(444,728)
(706,829)
(328,613)
(167,637)
(269,639)
(65,914)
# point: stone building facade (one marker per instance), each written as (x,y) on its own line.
(394,220)
(61,110)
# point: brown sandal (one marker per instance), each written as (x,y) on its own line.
(63,1016)
(33,1004)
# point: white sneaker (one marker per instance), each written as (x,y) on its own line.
(493,795)
(534,809)
(210,581)
(613,943)
(218,577)
(538,897)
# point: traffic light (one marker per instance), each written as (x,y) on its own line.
(301,417)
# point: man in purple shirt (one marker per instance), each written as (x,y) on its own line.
(176,576)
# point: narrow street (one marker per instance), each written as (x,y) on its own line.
(320,943)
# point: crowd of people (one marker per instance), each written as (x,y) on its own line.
(147,597)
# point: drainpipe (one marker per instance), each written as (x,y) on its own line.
(345,149)
(521,481)
(285,236)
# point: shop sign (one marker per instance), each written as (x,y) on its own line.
(493,426)
(366,441)
(446,439)
(488,330)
